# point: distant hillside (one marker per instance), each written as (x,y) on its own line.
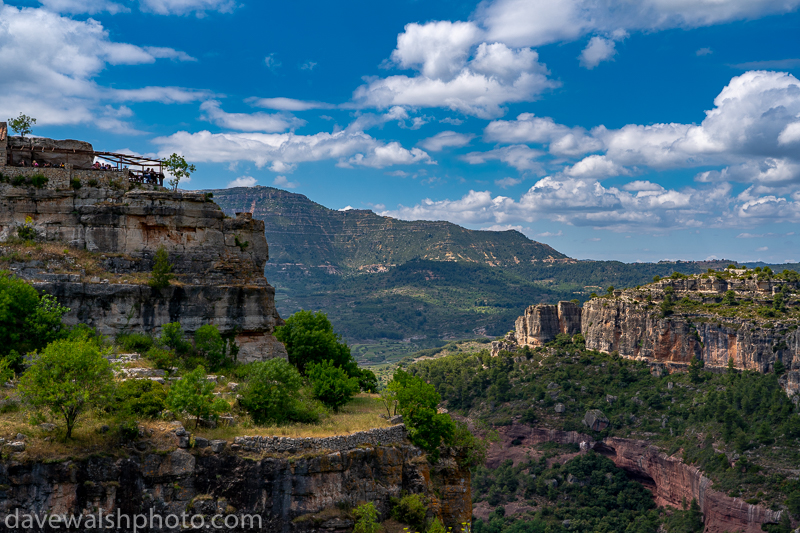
(394,287)
(301,231)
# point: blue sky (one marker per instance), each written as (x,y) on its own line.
(631,130)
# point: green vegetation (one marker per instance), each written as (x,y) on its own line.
(162,270)
(410,510)
(193,394)
(272,391)
(746,416)
(587,493)
(366,519)
(67,378)
(331,385)
(177,166)
(23,124)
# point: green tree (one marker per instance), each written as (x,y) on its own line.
(686,521)
(778,303)
(388,397)
(172,337)
(209,343)
(28,322)
(22,124)
(309,338)
(330,384)
(193,394)
(729,298)
(271,390)
(418,401)
(696,370)
(366,519)
(179,168)
(779,368)
(668,304)
(67,378)
(162,270)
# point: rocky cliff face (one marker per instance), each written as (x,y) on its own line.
(541,323)
(218,261)
(635,331)
(631,324)
(286,493)
(667,477)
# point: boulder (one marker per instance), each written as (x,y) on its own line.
(560,408)
(218,445)
(595,420)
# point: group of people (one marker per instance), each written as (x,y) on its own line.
(36,164)
(100,166)
(149,176)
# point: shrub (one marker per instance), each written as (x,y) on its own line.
(16,181)
(68,378)
(193,394)
(209,344)
(28,321)
(75,183)
(26,231)
(93,183)
(172,337)
(271,390)
(162,270)
(161,358)
(366,519)
(39,180)
(729,298)
(135,342)
(309,338)
(140,397)
(331,385)
(417,401)
(410,510)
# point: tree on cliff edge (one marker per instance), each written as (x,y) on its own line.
(22,124)
(179,168)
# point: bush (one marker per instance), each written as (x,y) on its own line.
(141,398)
(93,183)
(271,391)
(309,338)
(172,337)
(39,180)
(410,510)
(75,183)
(161,358)
(418,401)
(16,181)
(331,385)
(26,231)
(28,322)
(162,270)
(135,342)
(366,519)
(210,344)
(729,298)
(68,378)
(193,394)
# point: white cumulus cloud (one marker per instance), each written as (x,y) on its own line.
(265,122)
(283,181)
(243,181)
(446,139)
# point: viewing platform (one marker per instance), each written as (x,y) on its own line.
(70,163)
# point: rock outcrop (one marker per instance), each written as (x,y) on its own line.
(668,477)
(218,261)
(541,323)
(284,493)
(631,324)
(41,149)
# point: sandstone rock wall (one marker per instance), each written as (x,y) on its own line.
(541,323)
(288,493)
(40,149)
(667,477)
(218,261)
(628,327)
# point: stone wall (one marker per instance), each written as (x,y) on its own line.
(373,437)
(61,178)
(3,144)
(41,149)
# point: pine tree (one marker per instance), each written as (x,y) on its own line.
(162,270)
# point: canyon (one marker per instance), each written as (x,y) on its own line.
(670,480)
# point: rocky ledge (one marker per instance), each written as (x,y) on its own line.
(218,261)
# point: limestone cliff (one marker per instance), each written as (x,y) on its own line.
(541,323)
(218,261)
(632,323)
(288,492)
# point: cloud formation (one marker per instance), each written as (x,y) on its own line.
(265,122)
(284,151)
(242,181)
(49,63)
(446,139)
